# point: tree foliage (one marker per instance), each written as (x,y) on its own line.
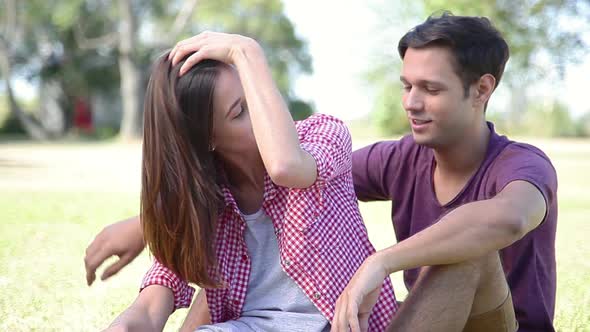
(79,44)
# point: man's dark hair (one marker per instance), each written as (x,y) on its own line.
(477,46)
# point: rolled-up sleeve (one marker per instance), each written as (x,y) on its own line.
(160,275)
(328,141)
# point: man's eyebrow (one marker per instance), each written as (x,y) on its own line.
(423,82)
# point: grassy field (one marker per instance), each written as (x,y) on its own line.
(55,197)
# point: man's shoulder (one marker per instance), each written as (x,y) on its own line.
(400,147)
(518,160)
(398,158)
(523,152)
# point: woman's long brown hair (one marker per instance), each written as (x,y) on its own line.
(180,195)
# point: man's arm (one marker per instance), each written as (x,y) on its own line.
(375,170)
(466,233)
(471,230)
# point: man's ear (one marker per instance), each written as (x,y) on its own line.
(484,88)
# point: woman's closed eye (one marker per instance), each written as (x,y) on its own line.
(239,112)
(243,108)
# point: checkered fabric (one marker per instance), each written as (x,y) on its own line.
(321,236)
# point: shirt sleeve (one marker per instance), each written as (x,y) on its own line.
(526,163)
(374,170)
(160,275)
(328,141)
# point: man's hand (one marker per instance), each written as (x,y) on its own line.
(354,305)
(123,239)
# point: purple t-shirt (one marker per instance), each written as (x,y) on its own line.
(401,171)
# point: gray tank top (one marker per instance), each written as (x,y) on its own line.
(273,301)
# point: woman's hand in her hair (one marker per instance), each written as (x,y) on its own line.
(123,239)
(218,46)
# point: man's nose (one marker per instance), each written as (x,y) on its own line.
(413,100)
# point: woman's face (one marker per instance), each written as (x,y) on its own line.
(232,129)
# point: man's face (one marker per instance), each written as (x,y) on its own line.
(434,97)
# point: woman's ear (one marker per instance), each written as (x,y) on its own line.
(211,144)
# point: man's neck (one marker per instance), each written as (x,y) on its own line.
(466,155)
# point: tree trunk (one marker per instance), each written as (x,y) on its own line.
(130,77)
(52,114)
(31,127)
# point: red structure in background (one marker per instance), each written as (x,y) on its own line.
(83,116)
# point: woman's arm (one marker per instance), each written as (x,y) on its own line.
(123,239)
(198,314)
(149,312)
(286,162)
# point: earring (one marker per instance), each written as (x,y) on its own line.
(211,148)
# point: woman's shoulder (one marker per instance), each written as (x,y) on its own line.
(319,123)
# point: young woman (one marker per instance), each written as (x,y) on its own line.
(240,200)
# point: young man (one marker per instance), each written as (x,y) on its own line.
(459,192)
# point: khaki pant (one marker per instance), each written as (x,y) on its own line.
(501,319)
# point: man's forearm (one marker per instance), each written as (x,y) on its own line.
(463,234)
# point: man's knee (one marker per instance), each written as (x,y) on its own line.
(480,274)
(492,287)
(470,270)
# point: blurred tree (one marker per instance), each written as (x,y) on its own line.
(548,119)
(13,43)
(84,46)
(583,124)
(121,35)
(388,114)
(39,45)
(544,36)
(300,109)
(265,21)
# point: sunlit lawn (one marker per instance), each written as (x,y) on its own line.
(55,197)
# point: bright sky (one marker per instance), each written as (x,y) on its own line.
(342,35)
(339,39)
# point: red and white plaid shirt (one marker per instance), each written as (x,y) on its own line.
(321,236)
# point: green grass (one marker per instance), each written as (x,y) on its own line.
(55,197)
